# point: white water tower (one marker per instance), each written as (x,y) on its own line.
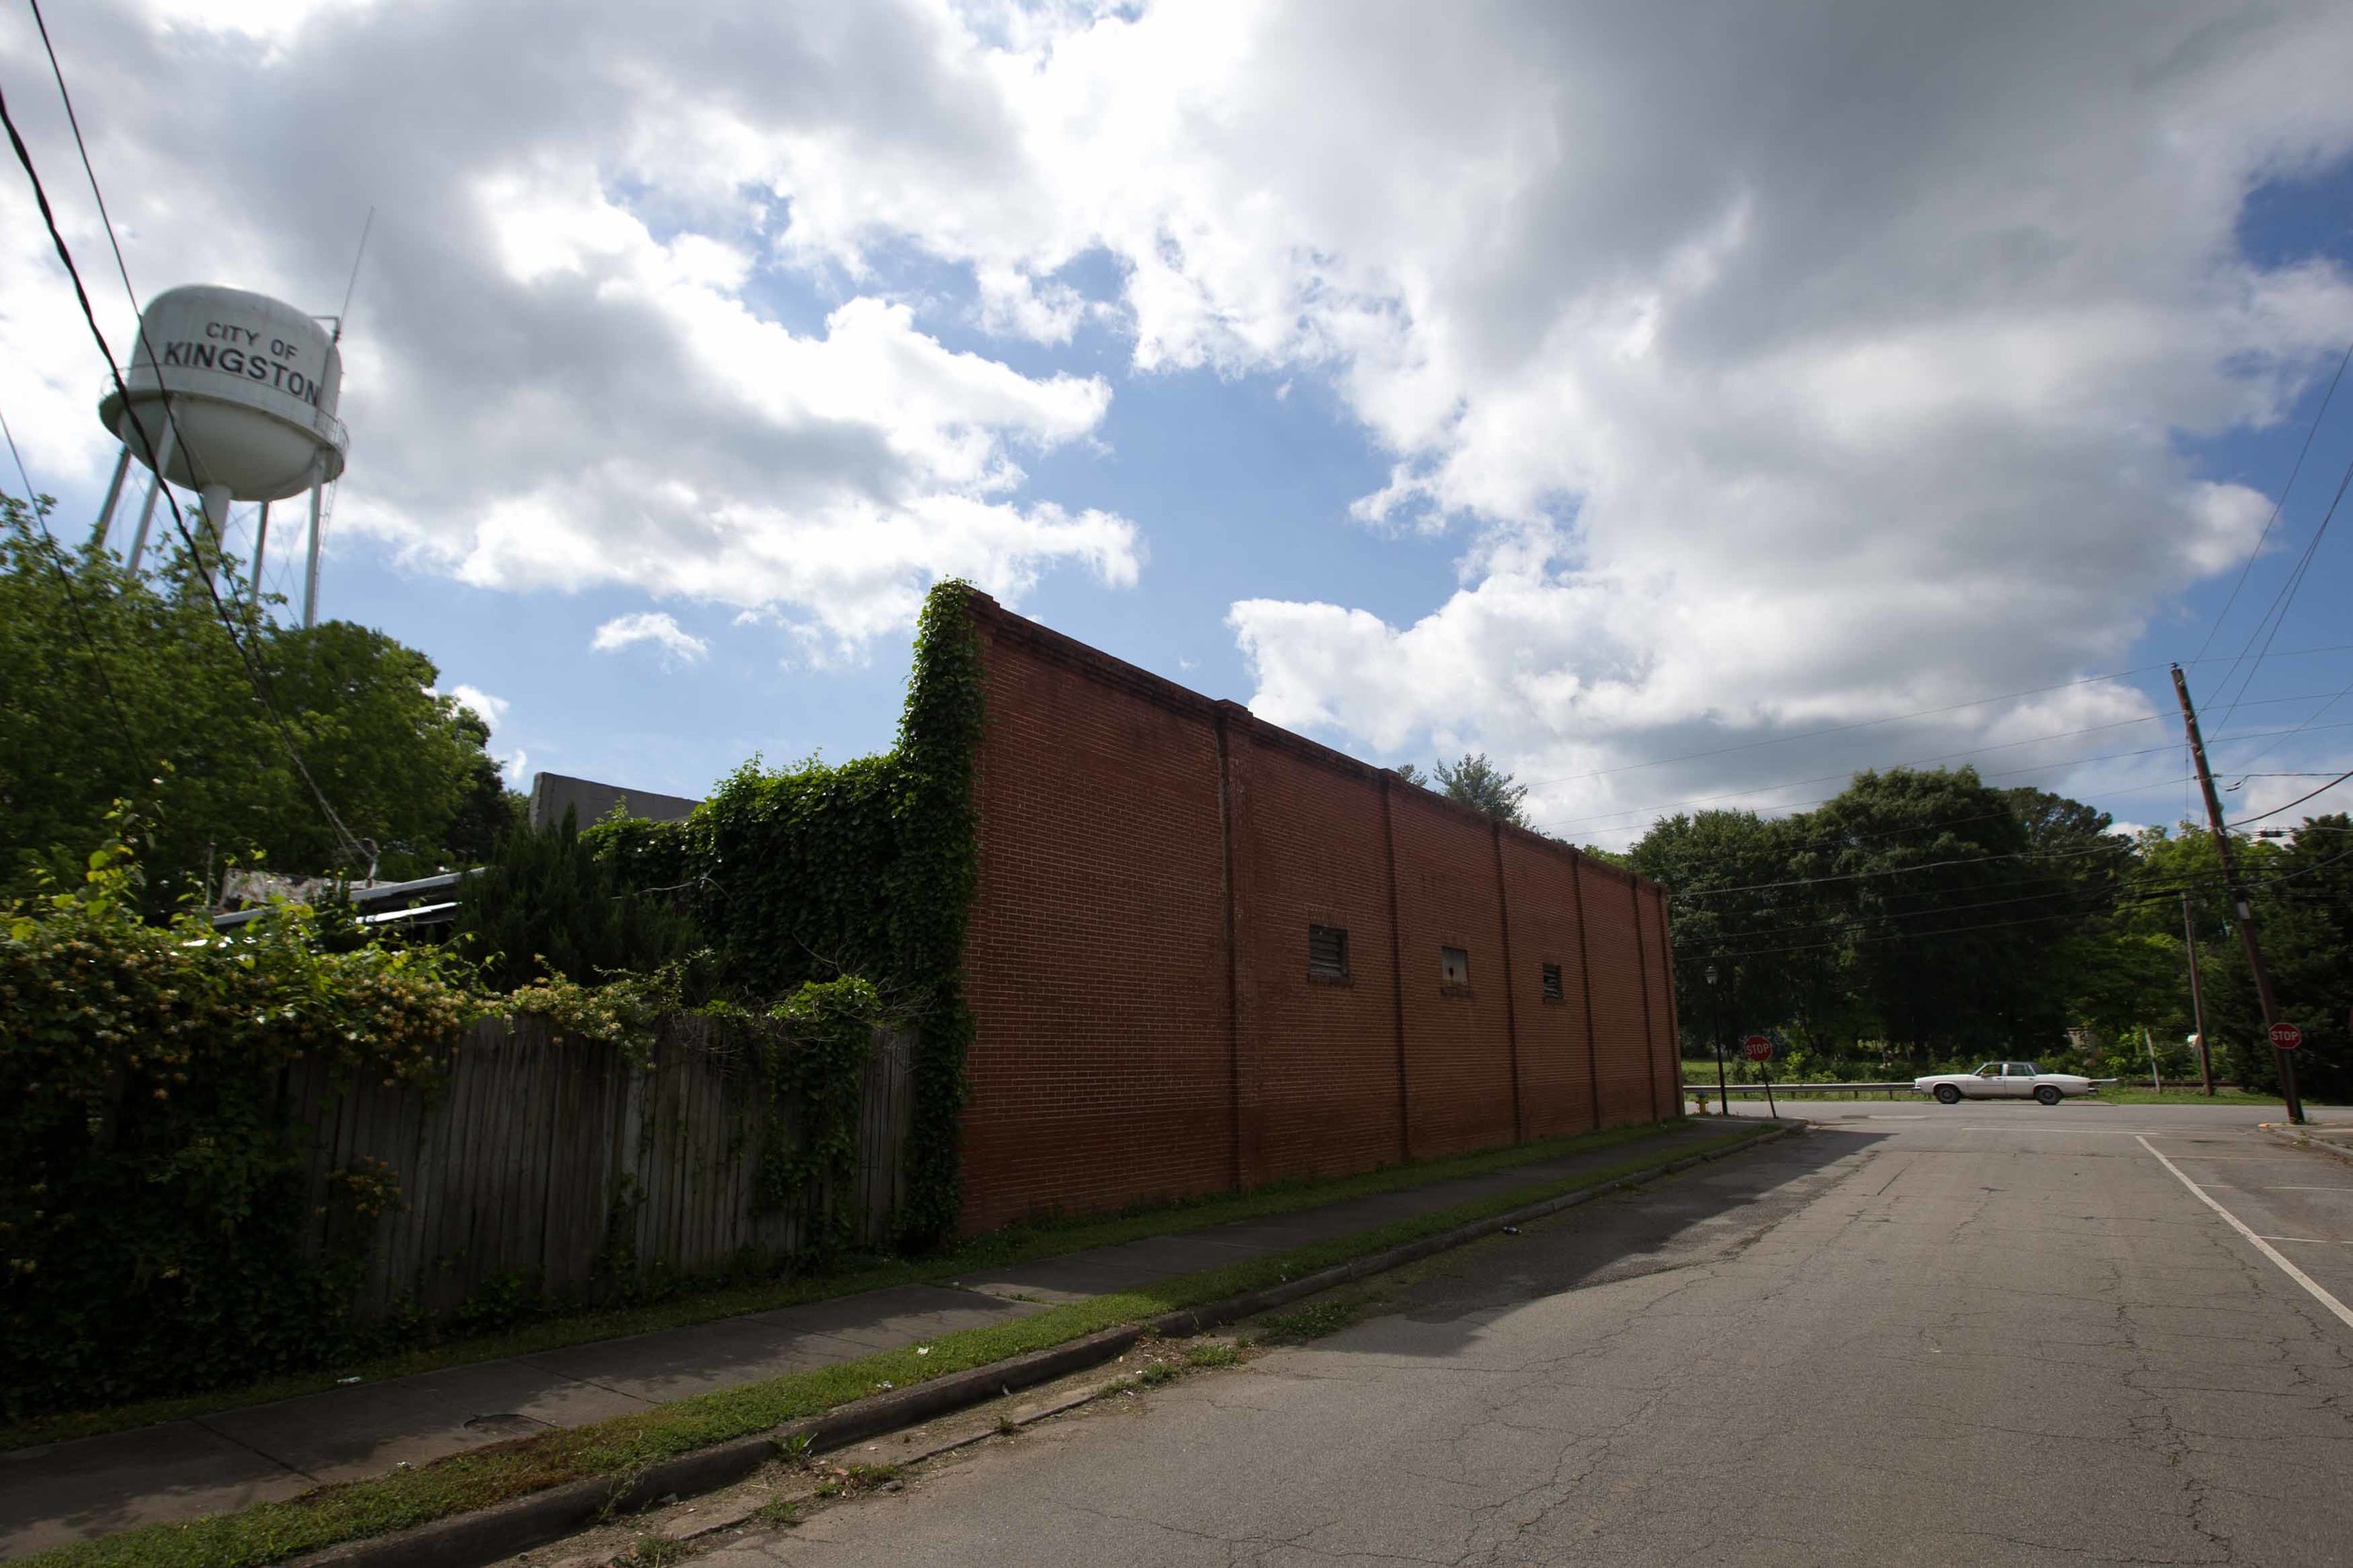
(231,395)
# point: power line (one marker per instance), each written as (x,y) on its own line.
(2148,894)
(254,674)
(2293,803)
(74,603)
(1924,866)
(2335,698)
(1892,718)
(2010,772)
(2285,599)
(2272,521)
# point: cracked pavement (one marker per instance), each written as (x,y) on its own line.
(2006,1335)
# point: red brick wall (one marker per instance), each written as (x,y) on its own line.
(1458,1049)
(1555,1049)
(1616,951)
(1125,1049)
(1319,1091)
(1094,959)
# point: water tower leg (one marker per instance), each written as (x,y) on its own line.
(155,489)
(113,494)
(311,574)
(261,544)
(216,524)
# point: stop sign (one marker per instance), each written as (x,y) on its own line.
(1758,1047)
(2286,1037)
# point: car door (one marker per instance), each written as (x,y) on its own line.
(2017,1080)
(1985,1083)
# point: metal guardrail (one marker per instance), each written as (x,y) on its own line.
(1854,1091)
(1706,1090)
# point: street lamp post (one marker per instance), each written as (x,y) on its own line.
(1716,1006)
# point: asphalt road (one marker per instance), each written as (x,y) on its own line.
(1998,1334)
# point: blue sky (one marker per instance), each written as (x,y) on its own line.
(1538,381)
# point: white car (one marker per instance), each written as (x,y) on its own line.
(1997,1081)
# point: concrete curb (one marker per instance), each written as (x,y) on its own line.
(2286,1133)
(503,1529)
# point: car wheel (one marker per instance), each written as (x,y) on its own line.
(1948,1095)
(2048,1093)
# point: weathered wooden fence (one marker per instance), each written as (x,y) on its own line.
(546,1161)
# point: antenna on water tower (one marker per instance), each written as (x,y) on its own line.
(233,395)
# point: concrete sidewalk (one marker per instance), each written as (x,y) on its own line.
(94,1487)
(2330,1137)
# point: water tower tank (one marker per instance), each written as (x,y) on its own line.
(251,385)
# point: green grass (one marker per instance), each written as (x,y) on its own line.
(1313,1321)
(2124,1094)
(1024,1243)
(275,1531)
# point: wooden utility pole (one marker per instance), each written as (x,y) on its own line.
(2242,911)
(2197,995)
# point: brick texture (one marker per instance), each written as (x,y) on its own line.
(1147,1027)
(1556,1050)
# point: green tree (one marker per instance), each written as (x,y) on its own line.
(548,902)
(1725,875)
(2302,895)
(1474,782)
(128,687)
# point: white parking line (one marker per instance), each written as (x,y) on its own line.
(2309,1189)
(2263,1247)
(2307,1240)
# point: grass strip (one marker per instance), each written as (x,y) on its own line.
(1024,1243)
(272,1532)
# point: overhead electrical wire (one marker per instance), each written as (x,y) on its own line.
(2038,767)
(254,674)
(123,727)
(2272,522)
(2120,845)
(2293,803)
(2156,894)
(2277,616)
(1892,718)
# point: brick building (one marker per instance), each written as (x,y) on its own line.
(1207,953)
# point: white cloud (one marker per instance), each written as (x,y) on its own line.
(1776,370)
(566,366)
(651,626)
(491,710)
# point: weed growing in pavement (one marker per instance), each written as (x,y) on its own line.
(1157,1374)
(777,1514)
(796,1448)
(1214,1356)
(1313,1321)
(651,1551)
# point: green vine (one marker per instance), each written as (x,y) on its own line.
(154,1233)
(811,1054)
(865,868)
(152,1218)
(939,735)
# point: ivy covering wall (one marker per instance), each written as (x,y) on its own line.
(863,867)
(153,1228)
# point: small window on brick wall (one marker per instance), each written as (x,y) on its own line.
(1552,983)
(1453,967)
(1327,952)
